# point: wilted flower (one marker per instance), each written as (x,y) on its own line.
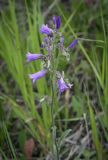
(62,85)
(37,75)
(46,30)
(31,57)
(57,21)
(73,43)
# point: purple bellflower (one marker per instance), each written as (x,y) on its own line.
(46,59)
(73,44)
(32,57)
(37,75)
(57,21)
(46,30)
(62,85)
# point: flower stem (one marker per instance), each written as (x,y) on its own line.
(54,142)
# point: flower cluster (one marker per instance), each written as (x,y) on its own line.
(53,39)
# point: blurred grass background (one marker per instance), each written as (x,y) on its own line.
(81,114)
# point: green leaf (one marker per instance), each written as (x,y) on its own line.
(95,134)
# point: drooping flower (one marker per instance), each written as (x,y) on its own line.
(32,57)
(62,85)
(46,30)
(37,75)
(73,43)
(57,21)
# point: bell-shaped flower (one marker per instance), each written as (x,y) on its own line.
(32,57)
(46,30)
(72,45)
(37,75)
(62,85)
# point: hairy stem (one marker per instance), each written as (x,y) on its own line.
(54,142)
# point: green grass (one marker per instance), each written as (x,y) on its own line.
(19,97)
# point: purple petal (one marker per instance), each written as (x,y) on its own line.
(46,30)
(62,85)
(31,57)
(58,22)
(37,75)
(73,43)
